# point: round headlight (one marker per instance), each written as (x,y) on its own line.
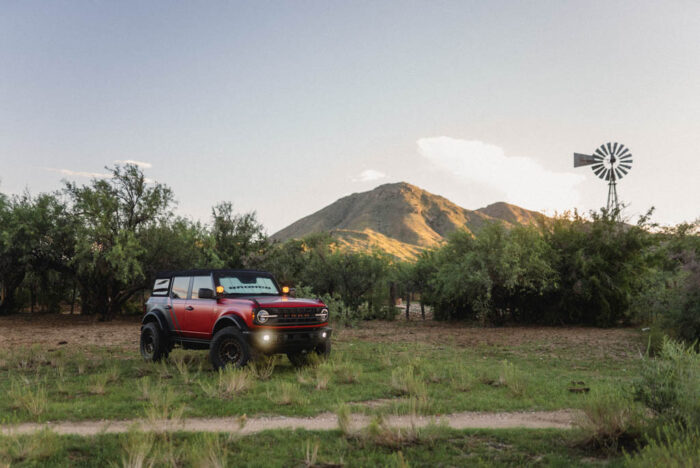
(323,315)
(262,316)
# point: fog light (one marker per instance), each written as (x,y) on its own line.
(323,335)
(266,337)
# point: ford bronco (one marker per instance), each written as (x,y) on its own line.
(233,313)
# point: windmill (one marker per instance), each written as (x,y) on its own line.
(611,162)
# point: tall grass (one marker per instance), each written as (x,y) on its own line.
(404,381)
(230,382)
(28,395)
(512,378)
(610,422)
(31,449)
(672,446)
(263,367)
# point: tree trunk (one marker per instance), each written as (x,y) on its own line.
(72,301)
(408,304)
(422,309)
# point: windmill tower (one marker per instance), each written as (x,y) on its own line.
(611,162)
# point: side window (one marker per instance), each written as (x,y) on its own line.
(161,286)
(201,282)
(180,286)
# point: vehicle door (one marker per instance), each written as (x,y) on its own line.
(200,312)
(178,301)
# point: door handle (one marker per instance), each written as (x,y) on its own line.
(189,308)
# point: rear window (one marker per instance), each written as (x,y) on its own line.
(181,285)
(161,286)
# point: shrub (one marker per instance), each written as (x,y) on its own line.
(610,422)
(672,446)
(669,384)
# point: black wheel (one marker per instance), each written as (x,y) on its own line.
(153,344)
(229,348)
(301,359)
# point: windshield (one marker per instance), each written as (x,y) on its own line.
(248,284)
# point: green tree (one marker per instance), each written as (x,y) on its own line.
(493,277)
(239,239)
(37,239)
(116,217)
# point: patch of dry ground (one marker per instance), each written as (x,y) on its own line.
(593,342)
(54,330)
(562,419)
(71,330)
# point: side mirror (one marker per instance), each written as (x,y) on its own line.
(206,293)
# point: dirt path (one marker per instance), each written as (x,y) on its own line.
(562,419)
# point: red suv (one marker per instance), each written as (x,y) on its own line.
(231,313)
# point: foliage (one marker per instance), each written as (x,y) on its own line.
(239,239)
(669,385)
(671,446)
(493,277)
(610,422)
(114,218)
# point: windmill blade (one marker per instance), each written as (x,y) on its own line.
(624,151)
(598,157)
(624,171)
(599,171)
(583,160)
(626,164)
(603,150)
(610,149)
(627,156)
(597,166)
(607,174)
(615,148)
(619,173)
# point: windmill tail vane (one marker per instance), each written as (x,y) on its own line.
(610,162)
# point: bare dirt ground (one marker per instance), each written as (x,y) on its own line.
(57,330)
(562,419)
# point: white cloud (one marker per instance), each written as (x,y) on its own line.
(145,165)
(68,172)
(522,181)
(368,175)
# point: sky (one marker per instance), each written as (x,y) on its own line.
(284,107)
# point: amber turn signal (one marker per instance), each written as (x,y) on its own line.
(285,289)
(219,290)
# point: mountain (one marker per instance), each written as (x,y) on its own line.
(401,219)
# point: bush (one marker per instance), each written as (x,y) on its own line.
(672,446)
(669,384)
(610,422)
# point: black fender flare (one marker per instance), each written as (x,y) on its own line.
(228,321)
(157,316)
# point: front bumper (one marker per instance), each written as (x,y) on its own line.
(272,341)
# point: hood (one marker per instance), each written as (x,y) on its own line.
(285,301)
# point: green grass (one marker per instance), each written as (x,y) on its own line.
(434,447)
(114,383)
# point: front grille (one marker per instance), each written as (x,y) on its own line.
(295,315)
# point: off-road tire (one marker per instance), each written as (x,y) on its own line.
(153,344)
(301,359)
(229,348)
